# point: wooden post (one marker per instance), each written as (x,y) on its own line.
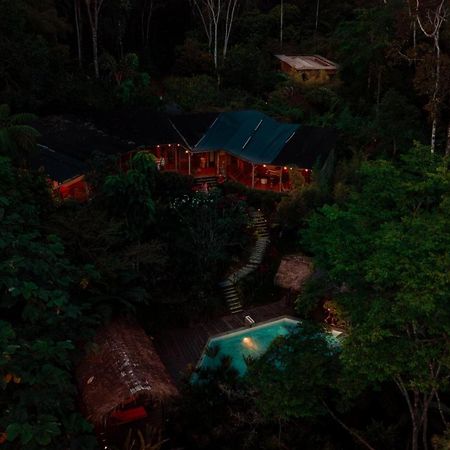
(253,176)
(176,158)
(218,163)
(281,175)
(189,163)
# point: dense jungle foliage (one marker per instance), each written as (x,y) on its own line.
(377,224)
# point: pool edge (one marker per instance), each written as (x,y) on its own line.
(238,330)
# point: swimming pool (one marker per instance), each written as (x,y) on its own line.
(248,342)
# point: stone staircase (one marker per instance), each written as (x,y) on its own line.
(228,286)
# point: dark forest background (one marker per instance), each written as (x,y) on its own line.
(393,57)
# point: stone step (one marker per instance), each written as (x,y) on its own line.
(257,262)
(228,288)
(259,247)
(257,254)
(245,269)
(234,305)
(259,224)
(230,294)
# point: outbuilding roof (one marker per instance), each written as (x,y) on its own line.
(314,62)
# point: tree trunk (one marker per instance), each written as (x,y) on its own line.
(146,17)
(378,91)
(414,413)
(437,86)
(216,35)
(281,23)
(147,27)
(433,133)
(77,13)
(317,15)
(436,19)
(229,19)
(120,38)
(93,11)
(95,52)
(447,148)
(425,432)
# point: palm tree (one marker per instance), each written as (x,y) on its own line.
(17,138)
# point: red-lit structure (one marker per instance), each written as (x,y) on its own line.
(211,167)
(75,188)
(247,147)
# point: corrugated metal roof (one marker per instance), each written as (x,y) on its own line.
(249,135)
(314,62)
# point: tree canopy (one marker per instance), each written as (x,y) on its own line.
(386,249)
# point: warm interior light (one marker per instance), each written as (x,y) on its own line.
(264,165)
(285,168)
(186,151)
(249,343)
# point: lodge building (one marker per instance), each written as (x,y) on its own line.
(247,147)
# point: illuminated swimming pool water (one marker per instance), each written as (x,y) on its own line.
(241,344)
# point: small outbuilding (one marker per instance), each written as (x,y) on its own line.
(293,272)
(122,379)
(314,69)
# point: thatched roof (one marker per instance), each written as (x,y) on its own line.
(122,367)
(294,270)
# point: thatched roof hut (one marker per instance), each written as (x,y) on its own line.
(121,370)
(293,272)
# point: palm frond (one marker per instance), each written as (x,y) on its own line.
(25,130)
(21,119)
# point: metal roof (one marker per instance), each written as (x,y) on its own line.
(314,62)
(249,135)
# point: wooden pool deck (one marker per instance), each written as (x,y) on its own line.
(180,348)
